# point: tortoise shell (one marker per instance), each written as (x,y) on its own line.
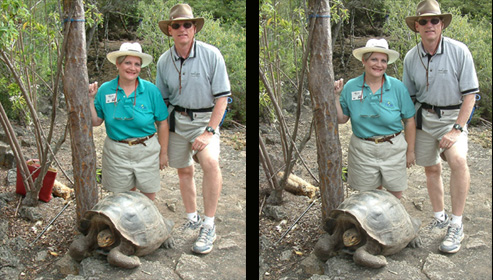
(136,218)
(381,216)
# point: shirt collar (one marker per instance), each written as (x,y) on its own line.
(439,50)
(386,83)
(140,86)
(192,51)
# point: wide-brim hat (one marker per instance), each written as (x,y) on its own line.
(132,49)
(181,12)
(428,8)
(376,45)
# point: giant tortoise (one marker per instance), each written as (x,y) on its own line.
(125,225)
(370,225)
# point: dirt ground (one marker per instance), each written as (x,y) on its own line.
(42,259)
(292,257)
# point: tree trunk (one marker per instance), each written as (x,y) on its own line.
(75,86)
(320,83)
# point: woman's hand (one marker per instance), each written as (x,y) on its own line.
(93,89)
(338,85)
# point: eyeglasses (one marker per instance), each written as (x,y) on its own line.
(433,21)
(187,25)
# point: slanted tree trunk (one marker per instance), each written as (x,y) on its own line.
(75,87)
(320,84)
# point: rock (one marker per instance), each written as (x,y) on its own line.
(286,255)
(30,213)
(227,244)
(192,267)
(439,267)
(312,265)
(275,212)
(66,265)
(475,243)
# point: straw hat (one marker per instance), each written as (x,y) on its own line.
(181,12)
(132,49)
(376,45)
(428,8)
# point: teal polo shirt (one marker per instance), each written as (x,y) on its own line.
(124,120)
(369,116)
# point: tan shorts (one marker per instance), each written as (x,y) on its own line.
(433,129)
(372,165)
(180,151)
(125,167)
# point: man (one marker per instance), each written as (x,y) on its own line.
(193,80)
(440,75)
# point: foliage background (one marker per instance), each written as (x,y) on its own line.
(283,34)
(31,34)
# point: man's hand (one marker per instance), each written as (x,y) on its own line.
(202,141)
(449,139)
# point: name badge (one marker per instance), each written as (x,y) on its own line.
(111,98)
(356,95)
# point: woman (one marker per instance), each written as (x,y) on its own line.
(130,106)
(376,104)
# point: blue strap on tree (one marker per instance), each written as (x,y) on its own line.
(478,97)
(230,100)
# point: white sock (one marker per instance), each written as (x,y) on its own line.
(456,220)
(192,216)
(208,221)
(440,215)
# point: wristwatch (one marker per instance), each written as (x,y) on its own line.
(210,129)
(458,127)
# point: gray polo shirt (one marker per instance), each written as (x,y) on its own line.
(203,77)
(451,73)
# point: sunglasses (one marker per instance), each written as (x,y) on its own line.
(187,25)
(434,21)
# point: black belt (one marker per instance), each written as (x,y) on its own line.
(436,109)
(189,112)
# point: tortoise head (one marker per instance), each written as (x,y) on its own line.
(351,237)
(105,238)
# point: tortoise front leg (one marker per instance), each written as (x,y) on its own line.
(122,256)
(328,245)
(82,248)
(367,255)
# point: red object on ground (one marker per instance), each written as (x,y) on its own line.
(48,181)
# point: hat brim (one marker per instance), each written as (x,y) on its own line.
(393,55)
(146,58)
(163,25)
(446,19)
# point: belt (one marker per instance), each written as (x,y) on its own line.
(136,141)
(184,112)
(382,139)
(432,109)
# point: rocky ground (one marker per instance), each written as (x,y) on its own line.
(292,258)
(46,258)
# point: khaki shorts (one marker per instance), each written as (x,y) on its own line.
(125,167)
(180,151)
(433,129)
(372,165)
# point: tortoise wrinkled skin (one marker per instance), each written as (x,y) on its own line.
(378,220)
(127,225)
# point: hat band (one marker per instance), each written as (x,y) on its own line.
(180,16)
(430,12)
